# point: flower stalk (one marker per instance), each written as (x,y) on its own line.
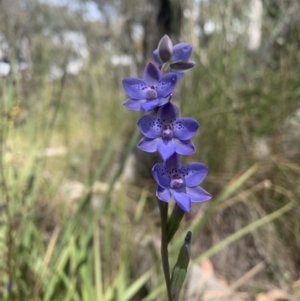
(163,208)
(174,222)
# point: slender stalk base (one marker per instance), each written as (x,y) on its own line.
(163,207)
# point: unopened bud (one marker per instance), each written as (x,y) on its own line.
(182,65)
(165,49)
(180,269)
(165,68)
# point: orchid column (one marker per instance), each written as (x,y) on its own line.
(169,134)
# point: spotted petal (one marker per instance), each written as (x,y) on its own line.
(185,128)
(198,194)
(135,87)
(150,126)
(161,175)
(166,85)
(193,173)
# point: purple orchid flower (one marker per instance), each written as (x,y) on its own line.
(177,56)
(180,182)
(167,133)
(152,91)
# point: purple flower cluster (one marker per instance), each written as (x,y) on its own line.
(167,132)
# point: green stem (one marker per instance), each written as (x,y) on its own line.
(163,207)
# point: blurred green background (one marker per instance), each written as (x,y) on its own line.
(78,214)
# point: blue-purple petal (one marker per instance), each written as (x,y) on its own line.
(173,162)
(178,73)
(168,113)
(161,175)
(150,126)
(162,101)
(184,147)
(135,87)
(156,57)
(182,199)
(163,194)
(166,148)
(193,173)
(166,85)
(181,52)
(198,194)
(150,105)
(133,104)
(148,145)
(185,128)
(151,75)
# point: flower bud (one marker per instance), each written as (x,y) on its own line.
(165,49)
(165,68)
(180,270)
(182,65)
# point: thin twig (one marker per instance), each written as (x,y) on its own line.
(246,277)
